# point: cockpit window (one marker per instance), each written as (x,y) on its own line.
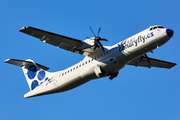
(155,27)
(160,27)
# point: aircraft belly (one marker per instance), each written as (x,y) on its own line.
(88,73)
(73,84)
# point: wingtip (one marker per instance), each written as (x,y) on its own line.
(23,28)
(6,60)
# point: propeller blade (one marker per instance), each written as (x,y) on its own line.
(147,57)
(101,46)
(148,61)
(99,31)
(95,46)
(103,39)
(92,31)
(141,58)
(151,51)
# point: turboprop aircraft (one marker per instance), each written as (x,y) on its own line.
(100,61)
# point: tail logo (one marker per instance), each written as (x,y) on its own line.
(32,70)
(32,73)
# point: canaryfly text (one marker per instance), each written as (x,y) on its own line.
(128,43)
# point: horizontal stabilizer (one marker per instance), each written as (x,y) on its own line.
(22,63)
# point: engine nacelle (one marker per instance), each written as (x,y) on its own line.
(108,64)
(88,43)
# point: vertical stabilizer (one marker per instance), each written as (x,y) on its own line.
(35,73)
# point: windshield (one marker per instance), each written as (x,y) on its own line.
(155,27)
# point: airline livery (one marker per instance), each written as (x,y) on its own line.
(100,61)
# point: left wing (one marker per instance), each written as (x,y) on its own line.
(144,62)
(66,43)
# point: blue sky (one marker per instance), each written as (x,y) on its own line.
(136,94)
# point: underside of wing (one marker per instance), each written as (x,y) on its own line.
(67,43)
(151,62)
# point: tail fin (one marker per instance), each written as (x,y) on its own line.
(35,73)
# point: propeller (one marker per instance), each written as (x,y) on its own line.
(97,39)
(146,57)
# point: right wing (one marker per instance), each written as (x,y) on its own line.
(144,62)
(66,43)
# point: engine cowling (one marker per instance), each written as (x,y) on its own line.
(88,43)
(109,65)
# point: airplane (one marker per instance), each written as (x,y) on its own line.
(100,61)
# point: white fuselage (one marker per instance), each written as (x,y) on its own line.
(100,64)
(135,46)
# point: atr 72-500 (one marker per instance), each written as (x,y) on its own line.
(100,61)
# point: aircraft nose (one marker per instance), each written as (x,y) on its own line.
(169,32)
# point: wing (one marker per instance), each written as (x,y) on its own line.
(144,62)
(66,43)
